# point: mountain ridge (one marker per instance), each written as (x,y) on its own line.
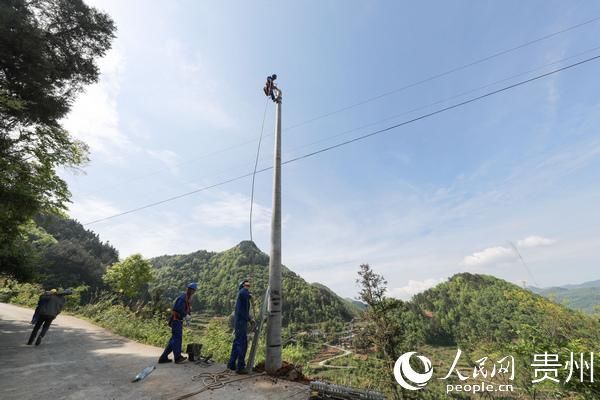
(218,275)
(583,296)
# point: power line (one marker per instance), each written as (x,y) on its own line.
(422,81)
(424,106)
(256,164)
(441,110)
(447,98)
(442,74)
(159,171)
(344,143)
(516,250)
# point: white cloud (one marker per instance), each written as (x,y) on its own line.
(91,209)
(194,90)
(535,241)
(413,287)
(498,254)
(491,255)
(232,210)
(94,117)
(169,158)
(165,233)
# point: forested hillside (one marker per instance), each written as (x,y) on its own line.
(470,309)
(485,317)
(584,297)
(60,252)
(65,254)
(76,256)
(218,276)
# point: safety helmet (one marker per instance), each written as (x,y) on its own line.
(53,291)
(193,285)
(241,285)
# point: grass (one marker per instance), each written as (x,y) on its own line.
(146,326)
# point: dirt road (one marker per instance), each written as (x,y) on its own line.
(324,363)
(78,360)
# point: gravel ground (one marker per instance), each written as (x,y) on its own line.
(78,360)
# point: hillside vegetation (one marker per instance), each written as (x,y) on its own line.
(219,274)
(74,257)
(584,297)
(473,308)
(483,316)
(60,252)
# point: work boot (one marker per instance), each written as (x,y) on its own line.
(31,338)
(180,360)
(164,360)
(242,371)
(38,341)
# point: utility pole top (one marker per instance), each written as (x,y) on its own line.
(271,90)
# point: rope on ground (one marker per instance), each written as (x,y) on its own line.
(303,391)
(216,380)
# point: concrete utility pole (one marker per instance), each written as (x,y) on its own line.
(273,356)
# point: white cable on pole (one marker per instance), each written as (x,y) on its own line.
(256,164)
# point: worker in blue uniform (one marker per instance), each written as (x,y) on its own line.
(181,312)
(237,360)
(270,86)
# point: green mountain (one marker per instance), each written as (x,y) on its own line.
(357,305)
(584,297)
(488,319)
(475,308)
(67,254)
(354,306)
(218,276)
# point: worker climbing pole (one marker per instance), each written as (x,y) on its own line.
(274,306)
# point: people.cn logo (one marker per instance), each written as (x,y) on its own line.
(407,377)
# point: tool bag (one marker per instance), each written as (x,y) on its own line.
(194,350)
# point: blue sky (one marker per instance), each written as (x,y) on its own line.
(179,106)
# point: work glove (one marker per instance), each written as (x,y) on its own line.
(251,325)
(187,320)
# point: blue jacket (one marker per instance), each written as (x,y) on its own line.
(242,306)
(181,307)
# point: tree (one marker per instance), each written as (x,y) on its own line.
(75,256)
(129,275)
(48,53)
(391,325)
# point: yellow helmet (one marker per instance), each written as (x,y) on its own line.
(53,291)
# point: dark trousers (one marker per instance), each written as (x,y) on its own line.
(174,344)
(238,348)
(44,320)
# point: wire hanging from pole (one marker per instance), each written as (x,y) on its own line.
(256,165)
(518,253)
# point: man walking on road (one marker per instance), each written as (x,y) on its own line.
(181,311)
(49,306)
(241,319)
